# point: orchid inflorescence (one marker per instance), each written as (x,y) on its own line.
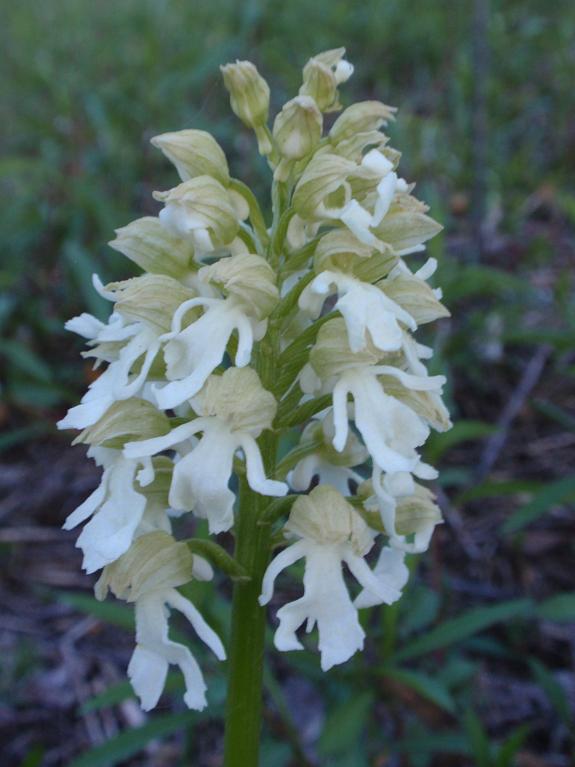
(234,331)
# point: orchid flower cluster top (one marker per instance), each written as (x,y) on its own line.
(330,293)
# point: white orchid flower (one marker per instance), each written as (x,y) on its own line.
(148,575)
(234,409)
(329,532)
(391,430)
(116,508)
(401,502)
(364,307)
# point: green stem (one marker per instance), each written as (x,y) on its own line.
(244,702)
(252,552)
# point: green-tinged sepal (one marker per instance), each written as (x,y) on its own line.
(125,421)
(324,516)
(154,249)
(247,277)
(151,298)
(194,153)
(415,296)
(332,355)
(341,251)
(360,118)
(239,398)
(154,562)
(417,512)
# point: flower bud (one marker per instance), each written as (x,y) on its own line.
(247,277)
(154,562)
(153,248)
(200,209)
(297,128)
(194,153)
(321,76)
(239,398)
(361,117)
(125,421)
(151,298)
(249,92)
(325,517)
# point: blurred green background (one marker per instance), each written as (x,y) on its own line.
(475,664)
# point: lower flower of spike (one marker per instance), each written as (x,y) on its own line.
(329,532)
(148,575)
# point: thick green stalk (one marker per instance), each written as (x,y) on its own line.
(244,703)
(247,645)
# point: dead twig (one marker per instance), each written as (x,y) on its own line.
(496,442)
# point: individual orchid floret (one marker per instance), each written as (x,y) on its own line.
(116,508)
(321,77)
(296,132)
(249,99)
(233,410)
(327,531)
(340,251)
(130,341)
(408,510)
(364,307)
(154,249)
(202,211)
(247,295)
(320,459)
(148,575)
(391,430)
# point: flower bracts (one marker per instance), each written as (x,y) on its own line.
(331,295)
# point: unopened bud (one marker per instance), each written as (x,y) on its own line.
(297,128)
(321,76)
(194,153)
(249,92)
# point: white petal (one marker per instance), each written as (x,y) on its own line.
(392,570)
(110,532)
(206,634)
(155,445)
(89,506)
(383,590)
(255,468)
(340,422)
(282,560)
(147,673)
(200,479)
(85,325)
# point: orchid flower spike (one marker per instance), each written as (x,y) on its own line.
(256,356)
